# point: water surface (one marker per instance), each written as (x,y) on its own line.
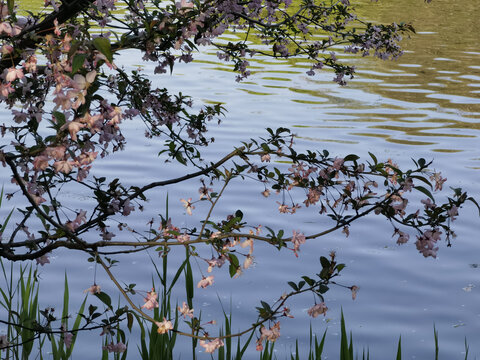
(426,104)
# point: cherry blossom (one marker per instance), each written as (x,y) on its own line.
(297,239)
(115,348)
(3,341)
(318,309)
(187,204)
(164,326)
(94,289)
(354,290)
(67,336)
(248,262)
(42,260)
(185,311)
(40,162)
(63,166)
(184,237)
(151,300)
(218,262)
(13,74)
(439,181)
(211,346)
(452,212)
(271,334)
(402,236)
(205,192)
(206,281)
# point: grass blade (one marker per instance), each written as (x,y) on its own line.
(399,349)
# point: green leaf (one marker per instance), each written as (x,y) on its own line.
(129,321)
(293,285)
(105,299)
(60,117)
(324,261)
(265,305)
(234,260)
(340,267)
(421,178)
(425,191)
(475,202)
(77,62)
(232,270)
(103,45)
(309,281)
(322,289)
(239,214)
(11,6)
(374,158)
(344,351)
(351,157)
(399,349)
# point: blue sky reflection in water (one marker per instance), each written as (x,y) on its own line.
(426,104)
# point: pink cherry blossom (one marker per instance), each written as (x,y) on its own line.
(215,262)
(408,184)
(248,262)
(428,204)
(40,162)
(164,326)
(6,28)
(206,281)
(3,341)
(151,300)
(115,116)
(337,163)
(57,152)
(402,237)
(211,346)
(317,309)
(452,212)
(437,177)
(63,166)
(63,101)
(282,208)
(184,237)
(67,336)
(205,192)
(185,311)
(271,334)
(187,204)
(426,242)
(248,243)
(6,89)
(115,348)
(354,290)
(297,239)
(73,128)
(80,81)
(42,260)
(266,158)
(94,289)
(81,218)
(13,74)
(37,198)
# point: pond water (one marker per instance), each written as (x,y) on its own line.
(426,104)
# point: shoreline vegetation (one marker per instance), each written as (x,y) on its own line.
(43,335)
